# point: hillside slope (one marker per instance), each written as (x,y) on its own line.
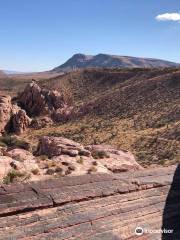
(79,61)
(133,109)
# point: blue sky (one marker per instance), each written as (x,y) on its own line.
(37,35)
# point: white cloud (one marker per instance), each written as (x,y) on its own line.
(168,17)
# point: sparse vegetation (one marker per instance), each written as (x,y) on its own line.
(92,169)
(99,154)
(127,108)
(12,176)
(35,171)
(80,160)
(50,171)
(13,141)
(72,168)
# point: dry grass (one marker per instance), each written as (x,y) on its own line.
(133,109)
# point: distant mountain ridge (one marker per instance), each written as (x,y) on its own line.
(79,61)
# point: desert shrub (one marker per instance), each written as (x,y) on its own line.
(50,171)
(100,154)
(13,141)
(92,169)
(68,171)
(2,144)
(58,170)
(80,160)
(11,176)
(35,171)
(95,163)
(72,168)
(43,157)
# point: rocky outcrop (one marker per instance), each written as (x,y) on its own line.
(93,207)
(59,157)
(55,146)
(111,159)
(5,166)
(12,118)
(37,101)
(18,164)
(47,106)
(115,160)
(5,112)
(41,122)
(20,122)
(65,114)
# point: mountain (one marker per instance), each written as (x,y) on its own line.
(79,61)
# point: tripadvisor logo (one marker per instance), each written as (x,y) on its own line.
(139,231)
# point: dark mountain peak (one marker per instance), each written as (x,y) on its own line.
(78,55)
(79,61)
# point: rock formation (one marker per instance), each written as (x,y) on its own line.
(41,104)
(12,118)
(55,146)
(20,122)
(95,157)
(93,207)
(41,122)
(59,157)
(115,160)
(37,101)
(5,112)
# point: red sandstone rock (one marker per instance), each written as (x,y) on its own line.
(115,160)
(37,101)
(55,146)
(41,122)
(112,159)
(92,207)
(20,122)
(12,118)
(5,112)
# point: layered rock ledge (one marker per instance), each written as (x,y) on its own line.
(93,207)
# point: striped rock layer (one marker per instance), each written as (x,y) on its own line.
(94,207)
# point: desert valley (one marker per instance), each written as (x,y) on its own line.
(87,144)
(90,149)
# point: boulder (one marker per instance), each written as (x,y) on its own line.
(19,154)
(22,160)
(20,122)
(32,100)
(5,166)
(115,160)
(77,165)
(112,159)
(55,99)
(55,146)
(63,114)
(5,112)
(12,117)
(41,122)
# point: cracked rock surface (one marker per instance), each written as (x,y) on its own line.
(88,207)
